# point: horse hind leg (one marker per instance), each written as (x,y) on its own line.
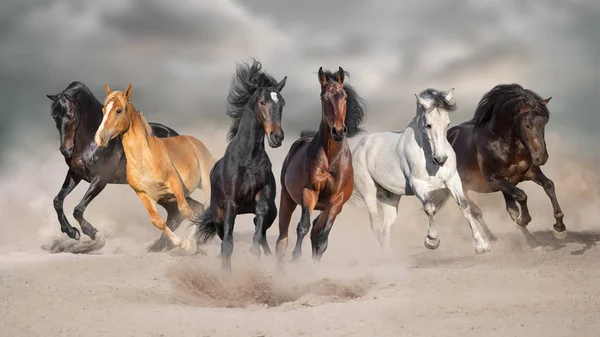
(96,186)
(388,203)
(368,190)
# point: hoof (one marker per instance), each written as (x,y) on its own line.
(155,246)
(255,251)
(73,233)
(432,243)
(560,235)
(483,249)
(189,246)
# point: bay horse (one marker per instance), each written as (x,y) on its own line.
(504,145)
(418,161)
(317,171)
(159,170)
(242,181)
(77,115)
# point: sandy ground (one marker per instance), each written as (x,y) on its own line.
(121,290)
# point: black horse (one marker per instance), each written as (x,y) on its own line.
(504,145)
(78,114)
(242,181)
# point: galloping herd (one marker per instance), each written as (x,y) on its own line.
(113,143)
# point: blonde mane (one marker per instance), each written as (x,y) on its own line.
(147,126)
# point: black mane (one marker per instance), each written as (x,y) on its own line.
(506,99)
(438,98)
(84,100)
(243,87)
(355,106)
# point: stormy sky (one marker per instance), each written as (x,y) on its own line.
(180,57)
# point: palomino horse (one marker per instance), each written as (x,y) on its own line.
(77,114)
(317,171)
(160,170)
(242,181)
(504,145)
(417,161)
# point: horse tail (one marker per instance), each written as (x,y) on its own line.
(307,133)
(206,228)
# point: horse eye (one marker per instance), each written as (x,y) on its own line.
(119,111)
(261,102)
(428,126)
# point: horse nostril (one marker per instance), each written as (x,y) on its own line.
(344,130)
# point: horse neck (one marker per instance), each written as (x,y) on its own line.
(89,121)
(326,142)
(251,133)
(136,139)
(503,126)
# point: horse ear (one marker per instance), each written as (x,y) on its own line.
(107,89)
(425,103)
(449,95)
(261,80)
(340,75)
(281,84)
(53,97)
(545,101)
(128,91)
(322,78)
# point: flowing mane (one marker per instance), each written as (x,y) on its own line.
(438,99)
(355,105)
(84,100)
(147,126)
(243,87)
(506,99)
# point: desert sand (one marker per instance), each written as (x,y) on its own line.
(522,288)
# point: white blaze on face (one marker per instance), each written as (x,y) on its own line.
(274,97)
(108,109)
(101,127)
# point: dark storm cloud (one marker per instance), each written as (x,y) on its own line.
(180,56)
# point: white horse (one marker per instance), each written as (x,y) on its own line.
(417,161)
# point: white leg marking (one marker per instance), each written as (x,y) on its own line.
(455,187)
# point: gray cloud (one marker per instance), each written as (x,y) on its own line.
(180,56)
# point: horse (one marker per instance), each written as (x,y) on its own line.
(159,170)
(242,180)
(317,171)
(77,115)
(504,145)
(418,161)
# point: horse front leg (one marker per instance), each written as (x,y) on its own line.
(174,219)
(456,190)
(71,181)
(319,235)
(156,219)
(537,176)
(309,201)
(287,206)
(230,211)
(265,213)
(96,186)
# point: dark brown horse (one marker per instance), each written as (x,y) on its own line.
(317,171)
(504,145)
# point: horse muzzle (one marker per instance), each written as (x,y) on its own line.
(275,139)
